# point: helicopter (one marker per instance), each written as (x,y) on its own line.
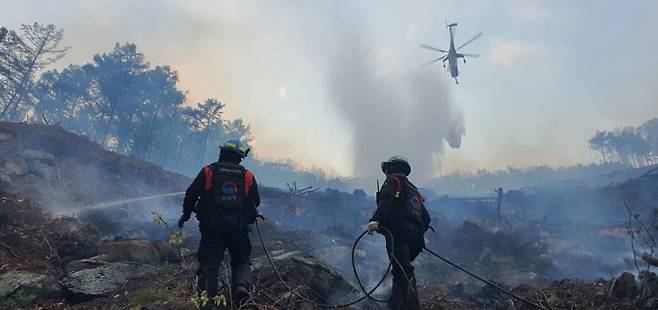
(452,55)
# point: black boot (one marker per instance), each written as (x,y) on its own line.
(241,281)
(240,296)
(412,296)
(398,298)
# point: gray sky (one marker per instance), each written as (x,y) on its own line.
(550,74)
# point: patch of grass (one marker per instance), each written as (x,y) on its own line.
(145,297)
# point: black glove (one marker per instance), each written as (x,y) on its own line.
(183,218)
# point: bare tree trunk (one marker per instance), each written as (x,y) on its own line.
(27,76)
(107,126)
(149,133)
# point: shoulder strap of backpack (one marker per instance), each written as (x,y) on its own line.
(207,171)
(248,181)
(398,185)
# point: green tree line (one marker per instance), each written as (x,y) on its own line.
(635,146)
(118,99)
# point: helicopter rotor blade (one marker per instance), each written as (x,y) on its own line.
(477,36)
(433,61)
(471,55)
(432,48)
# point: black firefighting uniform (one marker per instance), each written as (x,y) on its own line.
(392,213)
(221,227)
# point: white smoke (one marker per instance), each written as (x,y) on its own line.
(405,111)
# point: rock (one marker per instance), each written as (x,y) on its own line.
(334,255)
(624,286)
(299,269)
(87,263)
(167,252)
(38,155)
(141,251)
(102,281)
(14,167)
(19,288)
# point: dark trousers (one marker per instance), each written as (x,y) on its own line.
(212,247)
(405,247)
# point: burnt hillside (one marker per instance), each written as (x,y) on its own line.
(60,169)
(72,236)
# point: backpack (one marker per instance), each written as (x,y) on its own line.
(413,203)
(228,186)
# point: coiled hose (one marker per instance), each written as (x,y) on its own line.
(321,305)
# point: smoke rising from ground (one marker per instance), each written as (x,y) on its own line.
(406,111)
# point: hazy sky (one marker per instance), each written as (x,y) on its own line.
(550,74)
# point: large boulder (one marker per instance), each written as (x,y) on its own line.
(19,288)
(86,263)
(102,281)
(299,269)
(334,255)
(624,286)
(167,252)
(142,251)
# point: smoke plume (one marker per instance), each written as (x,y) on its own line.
(406,111)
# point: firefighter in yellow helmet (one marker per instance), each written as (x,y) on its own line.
(224,196)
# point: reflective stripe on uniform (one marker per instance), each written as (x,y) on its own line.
(207,171)
(248,182)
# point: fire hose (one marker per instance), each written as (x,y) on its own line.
(368,294)
(492,284)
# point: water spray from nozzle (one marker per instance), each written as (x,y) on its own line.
(126,201)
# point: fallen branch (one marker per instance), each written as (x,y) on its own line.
(612,287)
(10,250)
(52,250)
